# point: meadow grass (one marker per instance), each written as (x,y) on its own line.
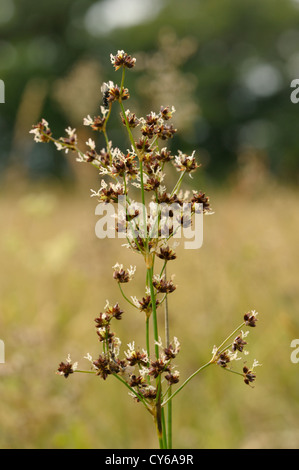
(54,282)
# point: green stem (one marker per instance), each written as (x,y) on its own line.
(225,341)
(147,336)
(166,316)
(140,397)
(107,145)
(178,184)
(125,297)
(140,165)
(85,371)
(160,422)
(154,310)
(147,339)
(163,268)
(164,434)
(233,371)
(128,127)
(186,382)
(167,341)
(122,80)
(169,420)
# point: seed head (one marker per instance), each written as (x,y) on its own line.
(166,253)
(173,377)
(223,359)
(249,376)
(41,131)
(238,344)
(185,162)
(122,59)
(67,368)
(163,286)
(250,318)
(102,367)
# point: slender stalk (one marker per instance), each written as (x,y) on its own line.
(169,420)
(147,331)
(163,268)
(128,127)
(233,371)
(125,297)
(186,382)
(122,80)
(178,184)
(225,341)
(85,371)
(140,397)
(166,316)
(160,422)
(164,432)
(140,163)
(96,163)
(154,311)
(147,336)
(167,342)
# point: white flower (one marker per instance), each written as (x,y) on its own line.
(107,86)
(104,111)
(177,344)
(104,171)
(37,135)
(94,193)
(88,121)
(116,345)
(80,158)
(159,343)
(88,357)
(131,271)
(256,364)
(91,144)
(71,132)
(119,54)
(131,346)
(233,356)
(61,147)
(147,290)
(135,301)
(75,365)
(244,333)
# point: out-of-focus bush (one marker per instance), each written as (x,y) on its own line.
(227,66)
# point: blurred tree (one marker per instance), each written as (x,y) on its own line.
(40,41)
(246,58)
(237,75)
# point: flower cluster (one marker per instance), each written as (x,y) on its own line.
(67,368)
(149,230)
(41,131)
(122,276)
(228,351)
(122,59)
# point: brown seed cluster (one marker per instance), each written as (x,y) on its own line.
(141,167)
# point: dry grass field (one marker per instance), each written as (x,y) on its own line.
(56,276)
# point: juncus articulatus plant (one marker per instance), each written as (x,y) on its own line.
(149,227)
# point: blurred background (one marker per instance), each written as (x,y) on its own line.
(227,68)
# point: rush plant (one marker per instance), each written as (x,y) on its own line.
(149,374)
